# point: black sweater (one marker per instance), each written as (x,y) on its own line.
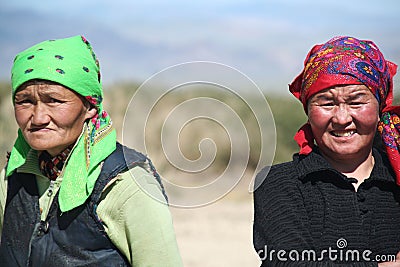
(313,214)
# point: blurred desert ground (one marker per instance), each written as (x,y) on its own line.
(216,234)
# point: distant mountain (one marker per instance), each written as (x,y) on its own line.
(139,41)
(124,58)
(120,58)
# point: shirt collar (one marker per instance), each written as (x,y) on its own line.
(52,166)
(31,164)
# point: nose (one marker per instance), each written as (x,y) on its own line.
(341,115)
(40,114)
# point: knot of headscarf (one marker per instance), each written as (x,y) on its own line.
(72,63)
(346,60)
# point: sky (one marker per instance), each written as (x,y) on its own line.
(266,40)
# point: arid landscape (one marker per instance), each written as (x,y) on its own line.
(219,234)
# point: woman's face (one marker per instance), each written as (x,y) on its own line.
(344,121)
(50,116)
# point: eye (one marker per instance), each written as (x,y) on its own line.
(356,104)
(23,102)
(54,100)
(327,104)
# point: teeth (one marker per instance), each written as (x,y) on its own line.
(343,134)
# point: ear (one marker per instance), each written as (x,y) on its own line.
(90,113)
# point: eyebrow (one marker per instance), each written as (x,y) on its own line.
(323,97)
(357,95)
(354,95)
(51,93)
(22,94)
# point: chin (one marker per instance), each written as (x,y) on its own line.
(348,153)
(40,146)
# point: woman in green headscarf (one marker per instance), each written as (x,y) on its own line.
(66,185)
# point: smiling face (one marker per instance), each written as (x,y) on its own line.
(50,116)
(344,120)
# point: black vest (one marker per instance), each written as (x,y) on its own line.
(74,238)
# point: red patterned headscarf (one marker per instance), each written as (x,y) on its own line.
(346,60)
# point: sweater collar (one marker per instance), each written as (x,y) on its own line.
(315,162)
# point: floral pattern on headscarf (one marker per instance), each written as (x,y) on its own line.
(345,60)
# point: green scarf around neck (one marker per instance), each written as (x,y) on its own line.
(72,63)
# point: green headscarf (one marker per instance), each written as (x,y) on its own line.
(72,63)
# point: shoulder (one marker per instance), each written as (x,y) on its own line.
(276,175)
(128,195)
(137,219)
(133,183)
(131,168)
(121,159)
(143,178)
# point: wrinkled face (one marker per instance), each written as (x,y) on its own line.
(344,120)
(50,116)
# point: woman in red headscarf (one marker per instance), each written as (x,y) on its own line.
(338,201)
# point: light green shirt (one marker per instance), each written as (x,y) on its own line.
(137,223)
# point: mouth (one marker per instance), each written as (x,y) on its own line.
(32,130)
(343,133)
